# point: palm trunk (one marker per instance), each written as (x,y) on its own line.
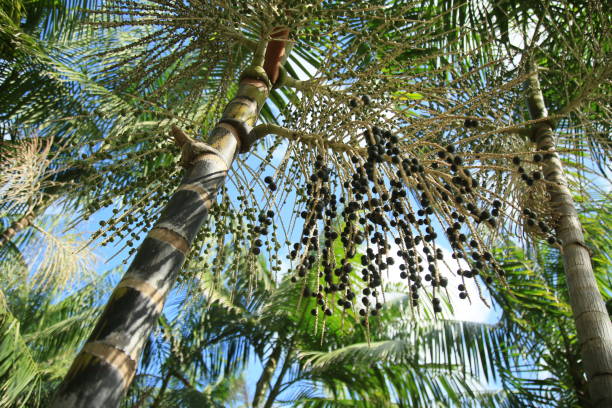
(592,321)
(21,224)
(105,367)
(276,389)
(266,375)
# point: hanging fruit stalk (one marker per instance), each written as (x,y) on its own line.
(103,370)
(592,320)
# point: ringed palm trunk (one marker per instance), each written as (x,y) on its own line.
(593,323)
(266,375)
(18,226)
(105,367)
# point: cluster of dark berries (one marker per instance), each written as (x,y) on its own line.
(529,179)
(258,232)
(353,103)
(542,227)
(461,189)
(380,143)
(531,222)
(270,183)
(316,249)
(375,211)
(470,123)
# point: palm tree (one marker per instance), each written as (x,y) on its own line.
(592,320)
(42,322)
(353,122)
(537,322)
(553,35)
(111,353)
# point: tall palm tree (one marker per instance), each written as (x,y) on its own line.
(591,316)
(107,364)
(351,129)
(553,34)
(537,321)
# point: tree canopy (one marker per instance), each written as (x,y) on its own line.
(396,151)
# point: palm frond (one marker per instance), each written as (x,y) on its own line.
(39,337)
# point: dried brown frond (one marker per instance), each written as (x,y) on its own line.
(23,172)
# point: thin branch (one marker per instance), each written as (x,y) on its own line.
(312,140)
(162,390)
(279,381)
(181,378)
(306,85)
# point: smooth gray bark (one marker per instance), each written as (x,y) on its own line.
(593,323)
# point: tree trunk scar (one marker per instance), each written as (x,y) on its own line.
(156,297)
(170,237)
(116,358)
(198,189)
